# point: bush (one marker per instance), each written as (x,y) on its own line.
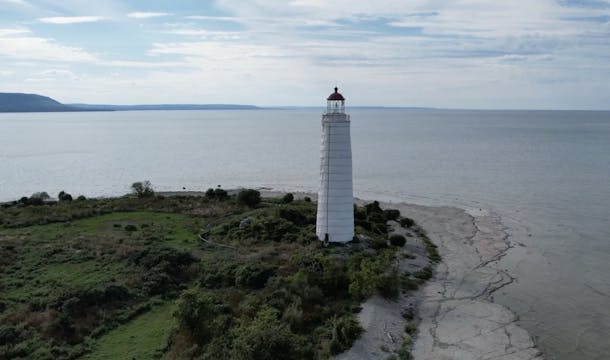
(307,199)
(249,197)
(406,222)
(288,198)
(253,276)
(345,330)
(266,337)
(197,311)
(391,214)
(40,195)
(81,198)
(217,194)
(295,215)
(398,240)
(8,334)
(373,207)
(64,196)
(424,274)
(143,189)
(359,213)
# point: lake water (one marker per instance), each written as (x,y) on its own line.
(546,173)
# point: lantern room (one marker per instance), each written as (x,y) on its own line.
(335,103)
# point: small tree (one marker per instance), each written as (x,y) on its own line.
(288,198)
(64,196)
(218,193)
(143,189)
(249,197)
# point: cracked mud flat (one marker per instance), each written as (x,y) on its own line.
(458,318)
(459,321)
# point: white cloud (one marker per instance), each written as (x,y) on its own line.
(70,19)
(146,15)
(15,31)
(216,35)
(41,49)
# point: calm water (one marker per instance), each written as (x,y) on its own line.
(546,173)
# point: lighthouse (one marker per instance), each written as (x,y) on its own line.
(335,218)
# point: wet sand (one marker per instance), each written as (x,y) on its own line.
(458,319)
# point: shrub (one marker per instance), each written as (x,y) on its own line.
(410,328)
(408,314)
(345,330)
(288,198)
(218,194)
(143,189)
(253,276)
(406,222)
(295,215)
(391,214)
(424,274)
(379,243)
(373,208)
(40,195)
(307,199)
(210,193)
(81,198)
(249,197)
(64,196)
(359,213)
(221,275)
(8,334)
(266,337)
(197,311)
(398,240)
(388,285)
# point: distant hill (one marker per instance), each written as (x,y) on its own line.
(15,102)
(89,107)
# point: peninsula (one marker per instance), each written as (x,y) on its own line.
(18,102)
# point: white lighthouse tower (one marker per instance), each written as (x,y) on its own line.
(335,220)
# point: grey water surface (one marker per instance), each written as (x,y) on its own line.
(546,173)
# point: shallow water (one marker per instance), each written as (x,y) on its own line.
(546,173)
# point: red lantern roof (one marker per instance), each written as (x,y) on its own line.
(336,95)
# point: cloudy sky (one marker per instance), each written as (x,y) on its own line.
(536,54)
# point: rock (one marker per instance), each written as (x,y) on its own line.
(247,222)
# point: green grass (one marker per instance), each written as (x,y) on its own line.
(63,256)
(79,279)
(145,337)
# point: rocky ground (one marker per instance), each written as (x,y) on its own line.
(458,318)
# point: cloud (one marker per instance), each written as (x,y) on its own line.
(53,75)
(70,19)
(146,15)
(28,47)
(15,31)
(216,35)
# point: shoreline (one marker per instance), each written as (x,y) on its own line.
(459,319)
(457,316)
(455,313)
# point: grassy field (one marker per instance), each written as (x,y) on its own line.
(145,337)
(128,278)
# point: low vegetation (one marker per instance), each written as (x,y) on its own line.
(214,276)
